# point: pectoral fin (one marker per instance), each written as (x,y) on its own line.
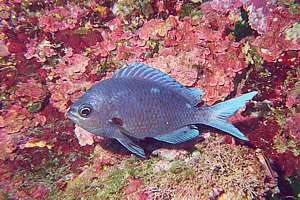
(122,135)
(131,146)
(181,135)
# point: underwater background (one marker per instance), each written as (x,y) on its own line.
(52,51)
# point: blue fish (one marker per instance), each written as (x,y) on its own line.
(140,101)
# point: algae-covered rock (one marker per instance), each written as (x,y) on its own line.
(212,171)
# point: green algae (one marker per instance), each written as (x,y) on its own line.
(242,28)
(181,171)
(283,141)
(34,106)
(118,177)
(293,6)
(283,144)
(127,7)
(109,183)
(46,175)
(114,184)
(251,55)
(154,47)
(188,9)
(235,169)
(293,33)
(211,165)
(294,181)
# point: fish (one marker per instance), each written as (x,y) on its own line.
(140,101)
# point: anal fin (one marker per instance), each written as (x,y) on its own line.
(181,135)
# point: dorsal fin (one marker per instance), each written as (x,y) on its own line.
(146,72)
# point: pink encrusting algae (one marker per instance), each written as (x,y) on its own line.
(51,52)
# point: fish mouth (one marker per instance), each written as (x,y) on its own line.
(71,115)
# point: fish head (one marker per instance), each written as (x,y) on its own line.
(85,113)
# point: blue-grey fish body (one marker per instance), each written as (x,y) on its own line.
(140,101)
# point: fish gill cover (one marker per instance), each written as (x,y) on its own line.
(51,52)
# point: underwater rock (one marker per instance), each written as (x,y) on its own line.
(169,154)
(219,171)
(161,166)
(84,137)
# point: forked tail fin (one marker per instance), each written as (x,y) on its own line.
(218,114)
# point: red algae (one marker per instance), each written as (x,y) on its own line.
(50,53)
(60,18)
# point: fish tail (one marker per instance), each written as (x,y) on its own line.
(216,116)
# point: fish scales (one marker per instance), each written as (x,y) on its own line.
(147,109)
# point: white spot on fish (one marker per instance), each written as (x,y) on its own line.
(155,90)
(188,105)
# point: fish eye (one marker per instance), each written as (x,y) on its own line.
(85,110)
